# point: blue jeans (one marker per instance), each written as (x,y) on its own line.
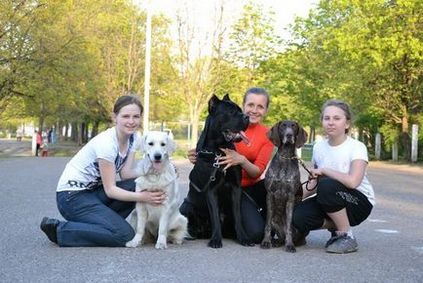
(93,219)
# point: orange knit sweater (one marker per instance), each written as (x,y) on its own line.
(258,152)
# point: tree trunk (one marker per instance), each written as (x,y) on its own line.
(74,132)
(312,135)
(405,138)
(80,133)
(94,131)
(194,132)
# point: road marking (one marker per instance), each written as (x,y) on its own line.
(387,231)
(378,220)
(418,249)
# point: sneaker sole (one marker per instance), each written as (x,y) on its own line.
(342,252)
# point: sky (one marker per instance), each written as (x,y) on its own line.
(203,10)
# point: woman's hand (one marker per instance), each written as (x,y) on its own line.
(192,155)
(231,158)
(153,197)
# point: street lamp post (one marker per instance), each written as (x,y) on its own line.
(147,69)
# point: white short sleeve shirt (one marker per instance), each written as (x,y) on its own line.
(339,158)
(83,173)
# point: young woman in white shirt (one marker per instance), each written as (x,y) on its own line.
(89,197)
(344,196)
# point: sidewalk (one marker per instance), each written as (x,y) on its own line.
(12,148)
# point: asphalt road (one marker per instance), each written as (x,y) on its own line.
(390,242)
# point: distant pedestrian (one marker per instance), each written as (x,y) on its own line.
(19,134)
(49,135)
(39,141)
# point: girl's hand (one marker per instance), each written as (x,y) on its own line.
(192,155)
(231,158)
(316,172)
(154,198)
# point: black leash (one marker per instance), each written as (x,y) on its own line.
(212,178)
(310,176)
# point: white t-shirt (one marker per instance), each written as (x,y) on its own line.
(82,171)
(339,158)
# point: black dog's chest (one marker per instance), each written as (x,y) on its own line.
(206,176)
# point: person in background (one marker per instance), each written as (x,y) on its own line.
(38,141)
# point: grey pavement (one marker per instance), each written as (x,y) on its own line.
(390,242)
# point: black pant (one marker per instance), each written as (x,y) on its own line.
(253,213)
(37,149)
(331,196)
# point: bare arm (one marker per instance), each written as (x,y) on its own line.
(351,180)
(129,170)
(108,177)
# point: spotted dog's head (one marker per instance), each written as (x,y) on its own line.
(157,146)
(287,132)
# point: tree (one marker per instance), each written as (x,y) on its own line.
(252,41)
(199,72)
(383,40)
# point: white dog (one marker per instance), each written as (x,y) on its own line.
(163,222)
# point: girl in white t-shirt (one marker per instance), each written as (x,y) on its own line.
(94,204)
(344,196)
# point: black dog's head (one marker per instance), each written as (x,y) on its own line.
(287,132)
(224,125)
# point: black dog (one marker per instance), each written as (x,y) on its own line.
(283,184)
(224,126)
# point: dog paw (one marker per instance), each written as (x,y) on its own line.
(160,246)
(290,249)
(215,244)
(265,245)
(178,241)
(161,243)
(135,242)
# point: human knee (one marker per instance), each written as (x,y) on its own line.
(329,195)
(123,235)
(328,187)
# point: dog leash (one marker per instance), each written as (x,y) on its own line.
(310,176)
(212,178)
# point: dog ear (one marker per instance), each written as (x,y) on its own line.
(273,135)
(301,137)
(226,97)
(170,145)
(212,103)
(143,146)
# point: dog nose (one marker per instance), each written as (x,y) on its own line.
(157,156)
(246,118)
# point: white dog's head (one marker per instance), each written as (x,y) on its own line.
(157,146)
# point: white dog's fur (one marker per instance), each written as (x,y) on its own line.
(163,222)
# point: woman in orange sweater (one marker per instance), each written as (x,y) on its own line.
(253,159)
